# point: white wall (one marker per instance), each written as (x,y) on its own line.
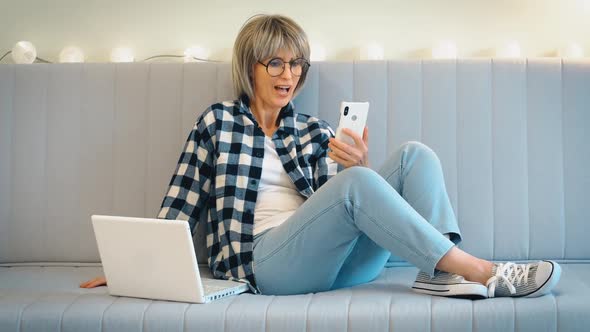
(406,29)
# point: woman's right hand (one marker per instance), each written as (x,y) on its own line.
(98,281)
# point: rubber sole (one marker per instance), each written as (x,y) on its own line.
(473,291)
(550,283)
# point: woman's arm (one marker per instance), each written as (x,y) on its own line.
(190,185)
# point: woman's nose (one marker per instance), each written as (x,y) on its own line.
(287,71)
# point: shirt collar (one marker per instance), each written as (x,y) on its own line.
(286,116)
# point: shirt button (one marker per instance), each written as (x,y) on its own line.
(252,182)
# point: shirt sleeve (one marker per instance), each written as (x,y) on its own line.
(190,185)
(325,167)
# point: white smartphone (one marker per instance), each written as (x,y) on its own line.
(352,116)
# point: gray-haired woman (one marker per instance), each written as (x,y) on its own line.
(285,220)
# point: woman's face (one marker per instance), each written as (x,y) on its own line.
(274,92)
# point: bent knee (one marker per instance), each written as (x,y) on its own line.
(360,177)
(415,145)
(359,172)
(419,148)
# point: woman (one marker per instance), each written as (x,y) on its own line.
(284,220)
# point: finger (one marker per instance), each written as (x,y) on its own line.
(89,283)
(342,154)
(345,147)
(94,284)
(366,136)
(347,152)
(358,141)
(338,159)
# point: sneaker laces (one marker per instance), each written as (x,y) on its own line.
(508,273)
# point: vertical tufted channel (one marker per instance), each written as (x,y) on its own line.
(474,156)
(62,162)
(576,154)
(545,159)
(7,81)
(509,159)
(27,223)
(439,119)
(129,139)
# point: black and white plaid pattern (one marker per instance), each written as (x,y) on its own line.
(220,169)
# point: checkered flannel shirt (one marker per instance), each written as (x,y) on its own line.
(220,170)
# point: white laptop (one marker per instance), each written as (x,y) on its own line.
(155,259)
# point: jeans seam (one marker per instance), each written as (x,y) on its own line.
(262,260)
(393,172)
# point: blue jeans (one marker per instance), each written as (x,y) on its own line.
(346,231)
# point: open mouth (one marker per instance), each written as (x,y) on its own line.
(283,88)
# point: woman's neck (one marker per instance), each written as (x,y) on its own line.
(266,117)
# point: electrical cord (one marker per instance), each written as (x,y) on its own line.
(5,55)
(178,56)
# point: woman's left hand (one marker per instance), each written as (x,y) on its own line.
(350,155)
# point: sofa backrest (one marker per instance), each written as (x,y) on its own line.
(512,136)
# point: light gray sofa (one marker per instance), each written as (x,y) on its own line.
(80,139)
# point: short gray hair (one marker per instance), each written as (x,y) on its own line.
(259,38)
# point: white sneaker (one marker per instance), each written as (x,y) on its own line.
(449,285)
(523,280)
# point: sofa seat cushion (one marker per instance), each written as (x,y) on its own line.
(36,298)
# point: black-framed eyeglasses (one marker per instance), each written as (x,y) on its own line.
(276,66)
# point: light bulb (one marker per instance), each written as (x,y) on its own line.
(71,54)
(510,50)
(24,52)
(573,50)
(318,52)
(372,51)
(122,54)
(445,49)
(198,52)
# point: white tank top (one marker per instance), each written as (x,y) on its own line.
(278,197)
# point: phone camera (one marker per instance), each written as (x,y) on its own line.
(345,110)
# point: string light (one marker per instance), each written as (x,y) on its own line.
(372,51)
(71,54)
(196,53)
(24,52)
(510,50)
(572,50)
(445,49)
(122,54)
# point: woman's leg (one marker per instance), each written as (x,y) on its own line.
(307,252)
(415,172)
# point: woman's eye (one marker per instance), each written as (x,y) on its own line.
(275,63)
(298,63)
